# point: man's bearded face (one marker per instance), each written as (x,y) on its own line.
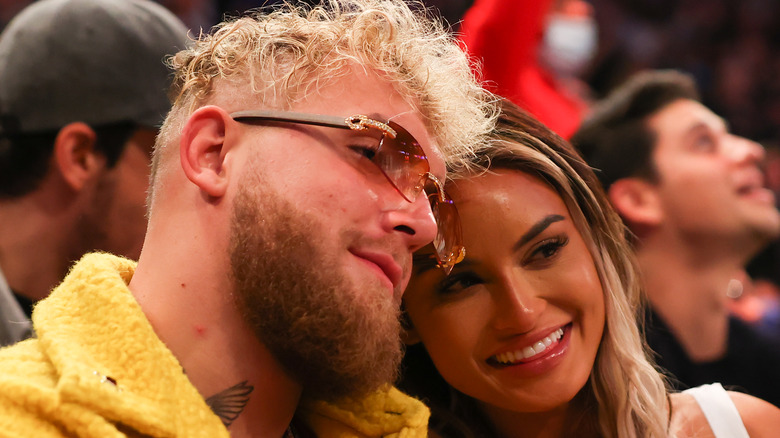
(335,337)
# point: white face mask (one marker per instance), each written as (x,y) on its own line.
(570,43)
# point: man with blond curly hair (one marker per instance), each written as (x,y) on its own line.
(299,169)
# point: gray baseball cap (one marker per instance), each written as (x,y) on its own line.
(94,61)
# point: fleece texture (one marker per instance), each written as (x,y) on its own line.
(386,413)
(98,370)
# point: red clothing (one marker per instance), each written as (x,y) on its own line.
(504,36)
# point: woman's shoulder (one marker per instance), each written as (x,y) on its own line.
(760,418)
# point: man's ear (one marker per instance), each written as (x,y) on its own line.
(636,201)
(75,156)
(202,149)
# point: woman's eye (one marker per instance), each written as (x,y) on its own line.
(545,251)
(458,282)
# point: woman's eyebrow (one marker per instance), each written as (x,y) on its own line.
(423,262)
(536,229)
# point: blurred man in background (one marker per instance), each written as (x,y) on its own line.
(695,200)
(83,90)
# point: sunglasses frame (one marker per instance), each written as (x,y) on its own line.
(458,252)
(361,123)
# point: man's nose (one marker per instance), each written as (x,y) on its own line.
(743,150)
(414,220)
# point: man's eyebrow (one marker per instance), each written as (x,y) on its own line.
(536,229)
(376,116)
(703,126)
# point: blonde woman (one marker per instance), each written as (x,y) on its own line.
(534,334)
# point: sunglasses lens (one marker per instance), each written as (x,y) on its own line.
(403,162)
(448,245)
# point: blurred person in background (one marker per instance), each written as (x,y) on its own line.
(83,90)
(695,200)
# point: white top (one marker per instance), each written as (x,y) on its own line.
(719,410)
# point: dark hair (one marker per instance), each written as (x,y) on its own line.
(25,157)
(453,414)
(615,138)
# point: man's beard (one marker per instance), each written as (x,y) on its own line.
(335,337)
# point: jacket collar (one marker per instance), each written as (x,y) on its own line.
(109,359)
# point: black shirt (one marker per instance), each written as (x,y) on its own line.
(25,303)
(751,363)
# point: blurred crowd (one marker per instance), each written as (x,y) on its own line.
(730,46)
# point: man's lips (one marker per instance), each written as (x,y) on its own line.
(385,262)
(752,186)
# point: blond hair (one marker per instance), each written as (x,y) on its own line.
(626,395)
(281,55)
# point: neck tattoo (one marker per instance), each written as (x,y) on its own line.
(229,404)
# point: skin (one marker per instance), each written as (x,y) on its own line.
(724,193)
(80,206)
(191,218)
(117,220)
(510,292)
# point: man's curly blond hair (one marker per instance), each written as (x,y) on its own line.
(279,56)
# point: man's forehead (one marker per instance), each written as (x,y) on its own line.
(436,159)
(681,118)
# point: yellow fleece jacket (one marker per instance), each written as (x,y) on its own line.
(97,369)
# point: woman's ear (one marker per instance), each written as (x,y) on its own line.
(203,150)
(409,334)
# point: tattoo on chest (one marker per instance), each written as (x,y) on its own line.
(229,404)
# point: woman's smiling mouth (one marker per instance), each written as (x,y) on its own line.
(531,352)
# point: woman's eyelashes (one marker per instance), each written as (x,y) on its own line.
(458,281)
(541,255)
(544,252)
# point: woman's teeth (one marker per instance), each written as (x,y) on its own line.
(530,351)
